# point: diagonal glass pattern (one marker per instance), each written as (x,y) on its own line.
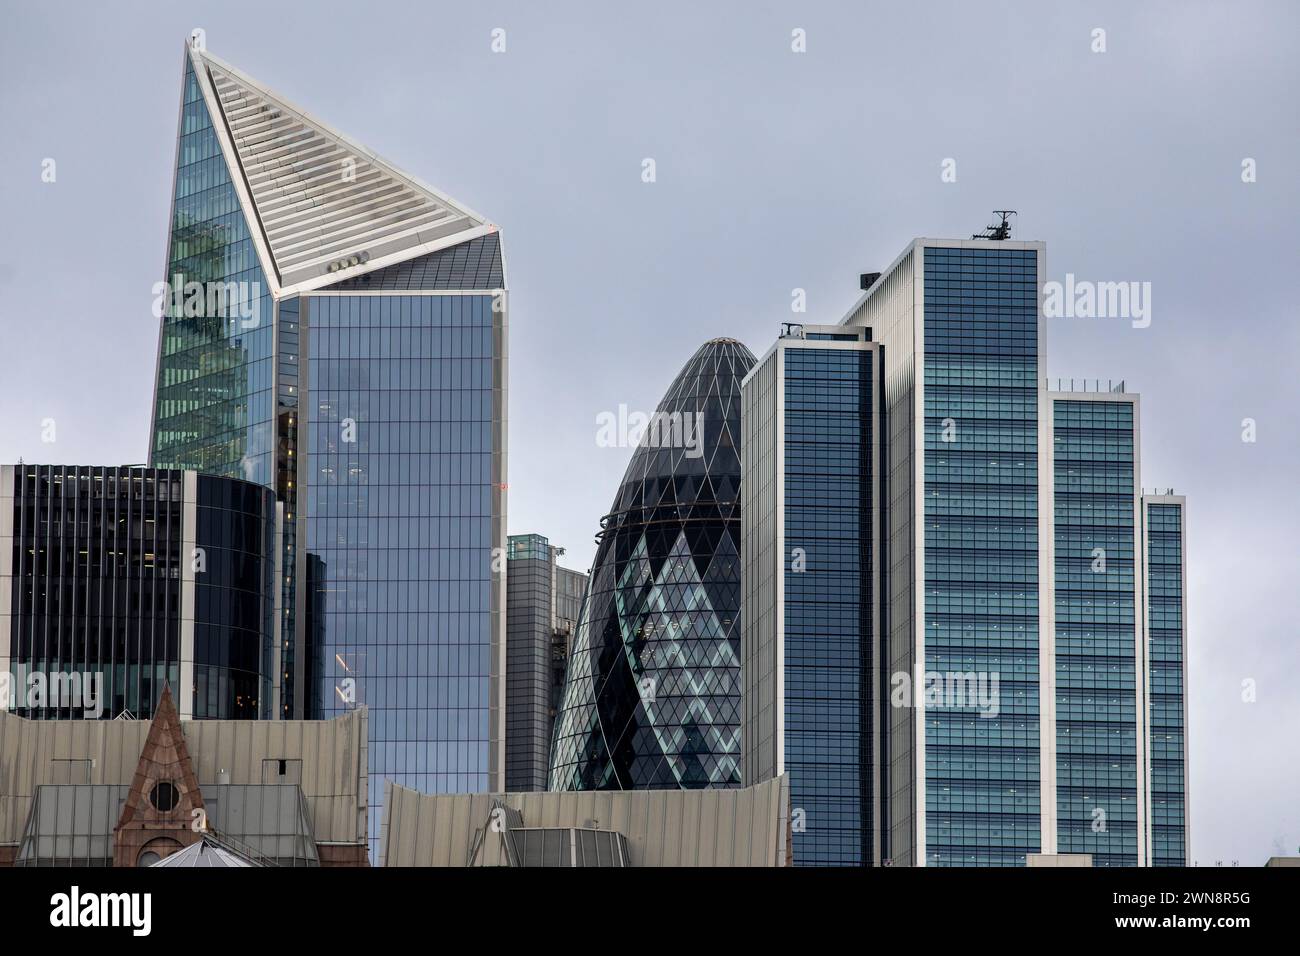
(652,694)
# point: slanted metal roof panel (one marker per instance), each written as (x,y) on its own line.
(327,207)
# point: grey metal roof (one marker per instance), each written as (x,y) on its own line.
(327,207)
(326,758)
(732,827)
(471,265)
(268,821)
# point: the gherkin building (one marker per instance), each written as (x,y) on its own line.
(652,695)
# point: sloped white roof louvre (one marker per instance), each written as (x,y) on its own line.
(329,208)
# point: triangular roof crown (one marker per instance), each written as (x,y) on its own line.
(322,207)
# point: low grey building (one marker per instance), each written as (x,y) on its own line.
(724,827)
(129,792)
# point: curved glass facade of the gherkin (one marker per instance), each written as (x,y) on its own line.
(652,695)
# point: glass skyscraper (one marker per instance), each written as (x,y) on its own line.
(1165,525)
(962,336)
(543,601)
(981,547)
(335,330)
(810,499)
(1100,796)
(1030,697)
(214,406)
(652,694)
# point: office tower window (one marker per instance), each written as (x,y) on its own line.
(981,576)
(399,514)
(1167,643)
(1097,664)
(215,398)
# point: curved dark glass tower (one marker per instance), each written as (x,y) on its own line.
(652,696)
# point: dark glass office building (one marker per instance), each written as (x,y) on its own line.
(136,578)
(652,695)
(810,499)
(344,345)
(542,604)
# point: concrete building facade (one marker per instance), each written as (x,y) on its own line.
(126,792)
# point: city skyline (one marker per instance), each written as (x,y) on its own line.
(946,615)
(1211,244)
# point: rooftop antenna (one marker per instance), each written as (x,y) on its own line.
(998,230)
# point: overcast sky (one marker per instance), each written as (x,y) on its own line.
(775,170)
